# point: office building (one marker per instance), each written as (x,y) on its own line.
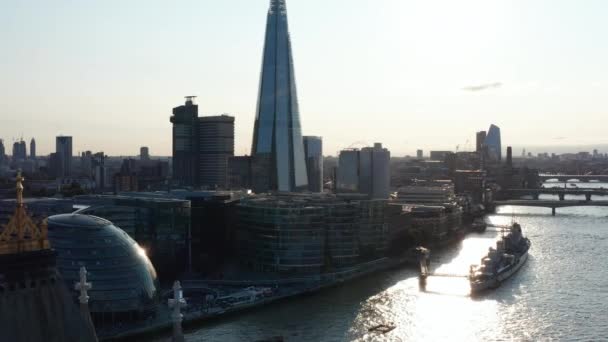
(63,149)
(281,235)
(144,153)
(439,155)
(100,171)
(239,172)
(347,173)
(201,147)
(159,225)
(292,234)
(480,139)
(2,152)
(19,151)
(313,150)
(33,149)
(86,164)
(493,144)
(375,171)
(184,122)
(278,149)
(215,147)
(419,154)
(365,171)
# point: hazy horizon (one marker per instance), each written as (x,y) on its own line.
(417,74)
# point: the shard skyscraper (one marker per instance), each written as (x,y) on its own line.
(278,160)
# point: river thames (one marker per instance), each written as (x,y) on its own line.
(560,294)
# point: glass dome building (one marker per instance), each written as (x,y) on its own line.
(125,285)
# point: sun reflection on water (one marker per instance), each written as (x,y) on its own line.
(445,303)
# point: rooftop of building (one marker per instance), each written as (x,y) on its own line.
(136,200)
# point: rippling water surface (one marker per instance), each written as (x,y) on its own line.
(560,294)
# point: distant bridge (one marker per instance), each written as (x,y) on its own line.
(561,192)
(552,204)
(572,178)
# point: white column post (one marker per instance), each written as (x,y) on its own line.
(177,303)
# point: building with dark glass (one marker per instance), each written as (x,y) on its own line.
(201,147)
(239,172)
(480,139)
(19,151)
(125,285)
(185,128)
(2,152)
(493,144)
(144,153)
(159,225)
(365,171)
(279,163)
(63,149)
(291,234)
(33,149)
(313,150)
(281,235)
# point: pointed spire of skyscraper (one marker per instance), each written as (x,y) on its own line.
(278,148)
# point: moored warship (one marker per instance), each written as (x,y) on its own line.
(502,262)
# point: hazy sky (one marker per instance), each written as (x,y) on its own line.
(408,73)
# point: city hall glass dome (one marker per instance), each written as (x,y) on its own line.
(123,278)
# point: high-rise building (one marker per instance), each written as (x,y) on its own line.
(19,151)
(184,121)
(63,149)
(215,147)
(144,153)
(493,144)
(347,173)
(419,154)
(365,171)
(100,171)
(375,171)
(277,149)
(86,163)
(509,156)
(313,150)
(239,172)
(201,147)
(33,149)
(480,139)
(2,152)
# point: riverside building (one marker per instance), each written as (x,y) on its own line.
(160,225)
(365,171)
(295,234)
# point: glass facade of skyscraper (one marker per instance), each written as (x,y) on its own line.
(313,148)
(493,144)
(277,138)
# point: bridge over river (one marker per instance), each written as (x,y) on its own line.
(574,178)
(561,192)
(552,203)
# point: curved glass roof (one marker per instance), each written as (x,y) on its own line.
(122,276)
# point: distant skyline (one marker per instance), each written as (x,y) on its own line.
(410,74)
